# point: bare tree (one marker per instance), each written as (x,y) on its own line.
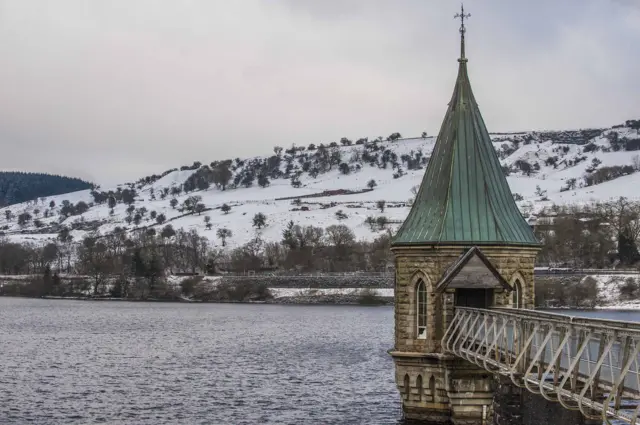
(224,234)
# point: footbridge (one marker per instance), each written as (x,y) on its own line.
(584,364)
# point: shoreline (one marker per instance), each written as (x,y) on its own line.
(301,300)
(304,300)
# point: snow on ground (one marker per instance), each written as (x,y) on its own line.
(306,292)
(246,202)
(609,292)
(175,178)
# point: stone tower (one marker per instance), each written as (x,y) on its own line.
(464,243)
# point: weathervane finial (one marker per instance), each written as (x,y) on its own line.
(463,30)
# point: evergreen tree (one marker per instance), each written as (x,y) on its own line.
(47,281)
(24,218)
(129,196)
(17,187)
(111,202)
(81,208)
(259,220)
(627,249)
(222,174)
(289,236)
(263,180)
(167,232)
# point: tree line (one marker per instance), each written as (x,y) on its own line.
(136,264)
(590,236)
(17,187)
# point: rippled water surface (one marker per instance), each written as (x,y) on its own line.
(78,362)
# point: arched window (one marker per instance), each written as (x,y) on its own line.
(419,386)
(421,310)
(407,387)
(432,388)
(516,295)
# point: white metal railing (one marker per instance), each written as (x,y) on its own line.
(590,365)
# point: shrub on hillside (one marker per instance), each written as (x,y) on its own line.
(629,289)
(605,174)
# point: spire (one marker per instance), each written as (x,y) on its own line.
(464,198)
(463,30)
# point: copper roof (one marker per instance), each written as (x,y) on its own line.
(464,198)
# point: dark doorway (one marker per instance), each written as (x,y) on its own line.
(475,298)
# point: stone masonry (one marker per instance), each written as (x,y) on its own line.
(442,388)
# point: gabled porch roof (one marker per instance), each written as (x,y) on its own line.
(472,270)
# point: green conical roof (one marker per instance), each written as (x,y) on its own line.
(464,198)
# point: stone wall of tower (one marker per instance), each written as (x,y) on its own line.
(429,401)
(430,264)
(461,392)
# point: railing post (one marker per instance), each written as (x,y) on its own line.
(527,357)
(558,362)
(626,350)
(596,381)
(576,371)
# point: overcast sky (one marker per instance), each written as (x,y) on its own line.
(114,90)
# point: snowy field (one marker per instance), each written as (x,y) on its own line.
(320,211)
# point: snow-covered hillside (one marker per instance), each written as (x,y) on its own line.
(544,168)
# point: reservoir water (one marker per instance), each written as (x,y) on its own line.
(78,362)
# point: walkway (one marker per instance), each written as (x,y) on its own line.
(585,364)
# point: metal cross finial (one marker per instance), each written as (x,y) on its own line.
(462,17)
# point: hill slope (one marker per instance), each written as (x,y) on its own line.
(309,185)
(16,187)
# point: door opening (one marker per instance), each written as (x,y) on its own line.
(475,298)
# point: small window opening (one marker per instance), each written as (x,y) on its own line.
(517,294)
(407,388)
(421,308)
(419,385)
(432,388)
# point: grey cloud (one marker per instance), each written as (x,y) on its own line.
(119,89)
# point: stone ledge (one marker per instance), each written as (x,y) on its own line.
(414,354)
